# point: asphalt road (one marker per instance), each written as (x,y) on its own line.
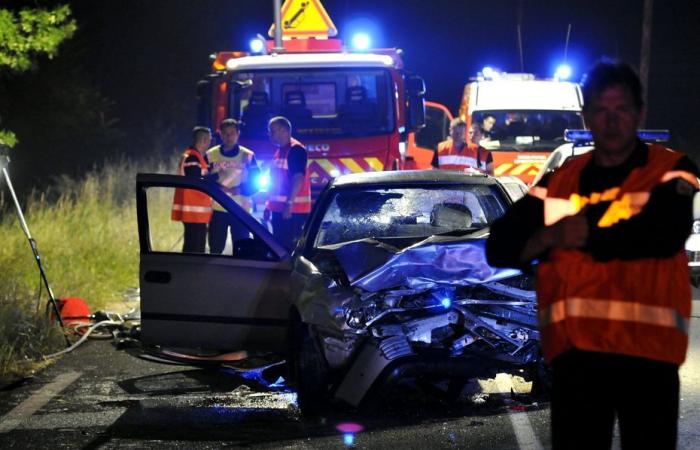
(101,397)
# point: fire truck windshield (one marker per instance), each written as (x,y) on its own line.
(524,130)
(318,102)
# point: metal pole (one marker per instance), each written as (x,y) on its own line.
(645,57)
(4,160)
(520,36)
(566,43)
(278,26)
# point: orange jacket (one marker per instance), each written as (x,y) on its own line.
(189,205)
(279,177)
(471,156)
(632,307)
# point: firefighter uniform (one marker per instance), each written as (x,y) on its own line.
(449,157)
(234,170)
(613,314)
(289,160)
(192,208)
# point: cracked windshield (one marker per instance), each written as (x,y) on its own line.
(408,213)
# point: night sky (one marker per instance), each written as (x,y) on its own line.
(145,56)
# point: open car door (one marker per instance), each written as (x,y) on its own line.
(237,300)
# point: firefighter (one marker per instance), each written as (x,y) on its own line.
(234,167)
(289,200)
(456,153)
(193,208)
(482,132)
(608,229)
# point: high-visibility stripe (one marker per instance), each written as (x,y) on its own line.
(503,168)
(188,208)
(460,160)
(352,165)
(613,310)
(297,199)
(687,176)
(375,164)
(326,165)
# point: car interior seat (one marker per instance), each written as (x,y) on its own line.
(295,107)
(257,114)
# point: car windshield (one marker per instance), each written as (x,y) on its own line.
(319,102)
(525,130)
(408,212)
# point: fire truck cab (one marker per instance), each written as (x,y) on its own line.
(352,110)
(530,118)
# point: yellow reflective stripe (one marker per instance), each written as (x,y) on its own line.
(556,209)
(375,164)
(682,174)
(520,169)
(187,208)
(613,310)
(352,165)
(501,169)
(326,165)
(629,205)
(297,199)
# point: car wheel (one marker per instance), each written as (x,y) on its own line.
(308,369)
(695,281)
(541,375)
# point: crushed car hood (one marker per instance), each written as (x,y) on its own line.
(374,266)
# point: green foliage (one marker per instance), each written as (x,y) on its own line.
(32,32)
(8,138)
(88,239)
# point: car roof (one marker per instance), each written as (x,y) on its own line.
(413,176)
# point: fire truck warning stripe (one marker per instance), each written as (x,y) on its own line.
(326,165)
(375,164)
(503,168)
(520,169)
(352,165)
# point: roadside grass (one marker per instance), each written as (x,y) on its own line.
(87,235)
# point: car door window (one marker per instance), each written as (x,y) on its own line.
(181,221)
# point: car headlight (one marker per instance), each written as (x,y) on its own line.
(696,226)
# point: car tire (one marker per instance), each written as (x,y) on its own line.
(308,370)
(541,376)
(695,281)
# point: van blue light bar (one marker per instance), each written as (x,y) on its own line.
(645,135)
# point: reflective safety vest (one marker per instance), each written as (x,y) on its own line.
(471,156)
(232,171)
(189,205)
(279,191)
(635,307)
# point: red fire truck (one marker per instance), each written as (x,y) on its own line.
(354,110)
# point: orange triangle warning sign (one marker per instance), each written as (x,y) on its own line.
(305,19)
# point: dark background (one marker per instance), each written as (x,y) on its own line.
(125,84)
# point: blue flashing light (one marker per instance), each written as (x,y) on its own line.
(489,72)
(563,72)
(361,41)
(645,135)
(263,182)
(349,439)
(446,302)
(257,45)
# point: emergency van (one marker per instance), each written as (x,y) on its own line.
(353,110)
(528,117)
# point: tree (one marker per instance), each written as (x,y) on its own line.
(28,34)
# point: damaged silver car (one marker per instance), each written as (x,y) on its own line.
(389,281)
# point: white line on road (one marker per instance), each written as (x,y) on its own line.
(522,427)
(24,410)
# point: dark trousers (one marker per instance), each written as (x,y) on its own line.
(288,231)
(195,238)
(589,389)
(221,223)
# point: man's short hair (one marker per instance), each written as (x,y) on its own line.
(607,74)
(227,123)
(486,116)
(458,122)
(199,131)
(281,121)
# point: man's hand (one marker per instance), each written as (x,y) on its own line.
(570,232)
(287,213)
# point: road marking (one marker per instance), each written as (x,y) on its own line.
(522,427)
(24,410)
